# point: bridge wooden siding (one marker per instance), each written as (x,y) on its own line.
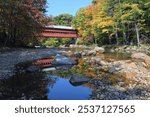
(56,32)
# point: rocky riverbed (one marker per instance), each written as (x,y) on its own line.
(118,78)
(111,77)
(129,49)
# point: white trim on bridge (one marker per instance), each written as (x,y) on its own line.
(60,27)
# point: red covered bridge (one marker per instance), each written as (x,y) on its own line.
(53,31)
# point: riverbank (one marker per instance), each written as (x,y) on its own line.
(128,49)
(10,57)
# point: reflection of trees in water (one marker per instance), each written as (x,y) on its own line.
(62,71)
(24,85)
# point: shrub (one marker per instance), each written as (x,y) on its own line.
(66,41)
(52,42)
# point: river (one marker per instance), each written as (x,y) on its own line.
(53,84)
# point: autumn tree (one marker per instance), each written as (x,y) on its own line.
(103,20)
(20,21)
(79,22)
(114,21)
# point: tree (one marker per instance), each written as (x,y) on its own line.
(63,19)
(49,20)
(102,19)
(133,15)
(119,21)
(79,22)
(22,20)
(146,30)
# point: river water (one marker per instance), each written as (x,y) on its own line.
(48,85)
(42,85)
(64,90)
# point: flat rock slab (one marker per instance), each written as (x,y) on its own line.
(99,49)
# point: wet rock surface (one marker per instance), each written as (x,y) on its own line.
(63,60)
(10,59)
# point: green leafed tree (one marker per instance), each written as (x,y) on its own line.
(63,19)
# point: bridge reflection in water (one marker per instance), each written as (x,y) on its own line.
(42,85)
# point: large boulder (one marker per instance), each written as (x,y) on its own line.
(91,53)
(69,53)
(63,60)
(99,49)
(96,59)
(77,55)
(142,57)
(78,46)
(103,63)
(78,79)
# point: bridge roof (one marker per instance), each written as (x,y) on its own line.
(60,27)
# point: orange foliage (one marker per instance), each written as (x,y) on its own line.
(89,10)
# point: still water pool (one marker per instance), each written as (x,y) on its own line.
(64,90)
(42,86)
(48,85)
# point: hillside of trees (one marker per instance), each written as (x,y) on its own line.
(118,22)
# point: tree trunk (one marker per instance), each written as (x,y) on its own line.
(76,42)
(124,33)
(110,40)
(128,34)
(95,40)
(137,34)
(116,35)
(117,38)
(124,38)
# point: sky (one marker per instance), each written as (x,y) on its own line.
(56,7)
